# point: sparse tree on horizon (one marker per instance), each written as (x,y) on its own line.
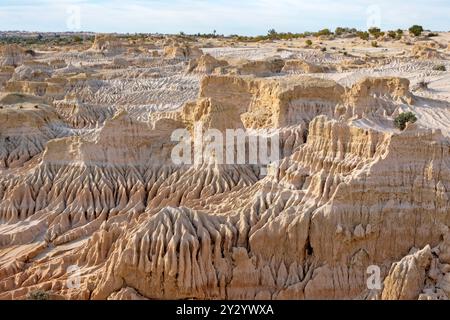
(416,30)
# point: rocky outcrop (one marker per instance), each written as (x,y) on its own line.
(36,88)
(206,64)
(182,51)
(175,247)
(79,114)
(25,128)
(270,103)
(107,44)
(126,294)
(425,51)
(301,66)
(407,277)
(11,55)
(376,96)
(32,72)
(5,74)
(422,274)
(259,68)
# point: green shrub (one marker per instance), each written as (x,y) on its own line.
(401,120)
(399,34)
(323,32)
(374,31)
(323,49)
(339,31)
(432,34)
(416,30)
(272,34)
(363,35)
(38,295)
(392,34)
(440,67)
(374,44)
(308,42)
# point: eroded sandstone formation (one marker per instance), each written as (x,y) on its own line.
(182,51)
(107,44)
(11,55)
(93,206)
(206,64)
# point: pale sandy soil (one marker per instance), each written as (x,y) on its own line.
(432,114)
(168,88)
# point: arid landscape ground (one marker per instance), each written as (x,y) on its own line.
(93,205)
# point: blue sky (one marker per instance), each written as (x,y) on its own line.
(226,16)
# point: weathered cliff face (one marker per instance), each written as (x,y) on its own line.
(88,180)
(32,71)
(260,68)
(301,66)
(426,50)
(274,103)
(358,198)
(407,277)
(11,55)
(182,51)
(376,96)
(291,235)
(206,64)
(82,115)
(6,73)
(24,131)
(422,274)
